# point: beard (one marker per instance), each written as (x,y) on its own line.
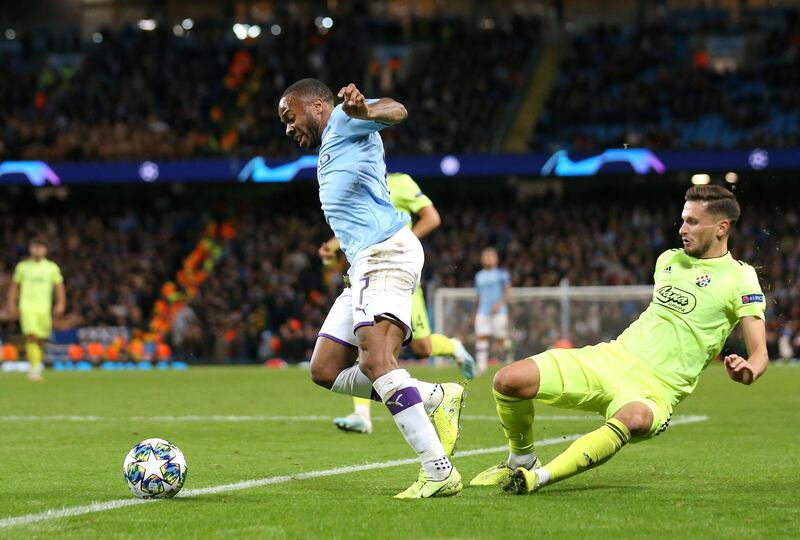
(698,250)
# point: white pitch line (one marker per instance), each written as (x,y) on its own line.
(256,418)
(271,480)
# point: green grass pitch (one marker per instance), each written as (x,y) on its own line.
(734,475)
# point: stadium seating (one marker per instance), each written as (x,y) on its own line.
(688,80)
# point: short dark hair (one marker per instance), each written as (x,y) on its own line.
(37,240)
(310,88)
(721,201)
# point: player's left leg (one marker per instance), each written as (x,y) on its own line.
(379,346)
(360,421)
(34,352)
(634,419)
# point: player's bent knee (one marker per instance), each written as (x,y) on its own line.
(637,417)
(323,375)
(520,379)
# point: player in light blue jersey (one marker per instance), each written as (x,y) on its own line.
(372,318)
(491,317)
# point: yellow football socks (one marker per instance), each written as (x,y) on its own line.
(516,417)
(589,451)
(442,345)
(33,352)
(362,407)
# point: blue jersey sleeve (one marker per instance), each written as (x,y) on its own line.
(506,279)
(354,127)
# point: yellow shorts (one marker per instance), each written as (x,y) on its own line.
(36,322)
(602,378)
(420,324)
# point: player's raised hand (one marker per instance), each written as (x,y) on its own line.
(738,369)
(327,254)
(354,105)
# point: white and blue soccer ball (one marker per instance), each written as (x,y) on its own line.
(155,469)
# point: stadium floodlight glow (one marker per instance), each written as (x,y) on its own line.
(275,29)
(148,25)
(187,24)
(327,22)
(11,34)
(148,171)
(240,30)
(731,177)
(178,30)
(450,165)
(97,37)
(700,179)
(254,31)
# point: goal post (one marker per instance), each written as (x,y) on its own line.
(541,316)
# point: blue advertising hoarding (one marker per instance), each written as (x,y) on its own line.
(638,161)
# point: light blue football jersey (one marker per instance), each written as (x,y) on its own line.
(490,285)
(352,183)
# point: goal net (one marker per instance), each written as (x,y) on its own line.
(541,316)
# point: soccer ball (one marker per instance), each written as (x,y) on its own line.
(154,469)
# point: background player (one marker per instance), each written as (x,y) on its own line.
(701,294)
(371,319)
(33,283)
(407,197)
(491,317)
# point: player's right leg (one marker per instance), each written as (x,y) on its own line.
(36,326)
(514,388)
(483,344)
(585,379)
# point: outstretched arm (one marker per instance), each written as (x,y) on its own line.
(384,111)
(61,299)
(743,370)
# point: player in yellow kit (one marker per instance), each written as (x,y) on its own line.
(33,284)
(701,293)
(407,197)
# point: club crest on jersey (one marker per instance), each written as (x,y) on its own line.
(703,281)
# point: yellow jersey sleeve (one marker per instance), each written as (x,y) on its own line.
(56,274)
(749,299)
(406,194)
(19,273)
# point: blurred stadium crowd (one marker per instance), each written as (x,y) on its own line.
(156,95)
(671,84)
(266,293)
